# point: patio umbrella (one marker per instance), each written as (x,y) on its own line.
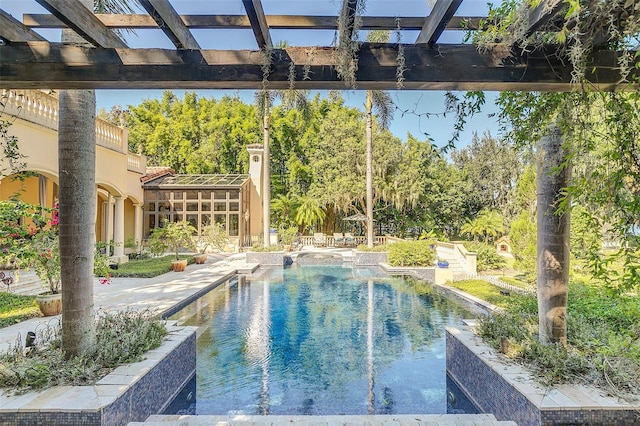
(358,217)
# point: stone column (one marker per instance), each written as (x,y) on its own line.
(109,221)
(118,235)
(137,224)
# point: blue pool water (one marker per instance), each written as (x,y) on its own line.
(322,340)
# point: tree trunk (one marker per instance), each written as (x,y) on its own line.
(553,239)
(266,184)
(369,137)
(77,201)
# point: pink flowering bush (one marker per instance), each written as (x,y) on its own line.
(29,239)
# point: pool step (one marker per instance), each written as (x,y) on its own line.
(378,420)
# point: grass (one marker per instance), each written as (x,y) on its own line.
(491,293)
(15,308)
(147,268)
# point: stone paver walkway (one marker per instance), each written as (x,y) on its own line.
(158,294)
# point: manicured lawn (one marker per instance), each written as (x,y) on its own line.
(15,308)
(491,293)
(147,268)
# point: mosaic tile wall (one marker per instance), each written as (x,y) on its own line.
(488,391)
(38,418)
(368,258)
(273,258)
(491,393)
(153,392)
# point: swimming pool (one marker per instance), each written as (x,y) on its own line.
(322,340)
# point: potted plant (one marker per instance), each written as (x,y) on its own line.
(288,236)
(172,236)
(212,236)
(45,260)
(442,263)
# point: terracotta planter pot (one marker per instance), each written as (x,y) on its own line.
(179,265)
(50,304)
(200,258)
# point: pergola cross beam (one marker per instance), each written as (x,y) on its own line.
(278,22)
(450,67)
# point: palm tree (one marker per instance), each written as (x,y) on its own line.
(309,212)
(553,239)
(380,102)
(284,208)
(77,202)
(291,98)
(490,224)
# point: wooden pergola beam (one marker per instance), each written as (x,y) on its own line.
(436,22)
(83,21)
(278,22)
(259,25)
(542,13)
(12,31)
(170,23)
(450,67)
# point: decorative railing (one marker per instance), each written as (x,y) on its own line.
(136,163)
(41,108)
(35,106)
(110,136)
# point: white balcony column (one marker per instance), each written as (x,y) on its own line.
(118,235)
(109,221)
(137,224)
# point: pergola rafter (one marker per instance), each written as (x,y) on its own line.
(83,21)
(29,61)
(170,23)
(436,22)
(259,25)
(13,31)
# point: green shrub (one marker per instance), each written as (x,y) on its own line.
(260,248)
(121,338)
(411,253)
(487,256)
(379,248)
(603,338)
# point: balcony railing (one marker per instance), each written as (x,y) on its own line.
(41,108)
(136,163)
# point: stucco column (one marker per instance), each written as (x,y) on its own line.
(109,221)
(137,224)
(118,235)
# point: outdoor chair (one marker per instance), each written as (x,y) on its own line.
(338,239)
(349,239)
(319,239)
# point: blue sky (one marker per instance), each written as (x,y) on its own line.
(419,104)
